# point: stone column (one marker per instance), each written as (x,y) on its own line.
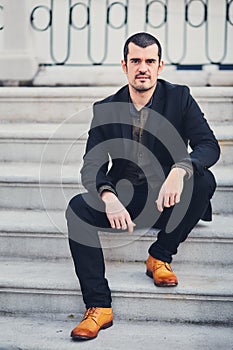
(17,57)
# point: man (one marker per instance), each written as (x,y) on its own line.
(149,181)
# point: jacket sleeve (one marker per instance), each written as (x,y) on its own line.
(96,158)
(205,149)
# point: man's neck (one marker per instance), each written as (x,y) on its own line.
(140,98)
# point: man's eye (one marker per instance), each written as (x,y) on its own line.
(135,60)
(150,61)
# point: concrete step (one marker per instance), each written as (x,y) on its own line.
(41,142)
(43,234)
(44,333)
(53,104)
(65,143)
(103,75)
(35,186)
(224,134)
(51,334)
(204,293)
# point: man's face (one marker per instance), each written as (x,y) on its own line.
(142,67)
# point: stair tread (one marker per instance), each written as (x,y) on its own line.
(97,91)
(43,131)
(58,131)
(223,131)
(55,104)
(30,172)
(39,172)
(129,277)
(137,335)
(53,222)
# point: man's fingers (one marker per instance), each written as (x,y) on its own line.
(131,226)
(112,223)
(117,223)
(172,200)
(159,202)
(123,224)
(129,223)
(167,200)
(177,198)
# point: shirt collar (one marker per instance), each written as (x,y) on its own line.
(134,112)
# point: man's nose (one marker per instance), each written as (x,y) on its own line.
(143,67)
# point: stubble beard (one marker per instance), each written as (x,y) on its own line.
(141,87)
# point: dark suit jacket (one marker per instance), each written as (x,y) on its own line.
(175,121)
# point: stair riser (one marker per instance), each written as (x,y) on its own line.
(203,251)
(62,108)
(222,202)
(27,196)
(226,152)
(62,152)
(46,110)
(126,305)
(54,197)
(68,151)
(216,110)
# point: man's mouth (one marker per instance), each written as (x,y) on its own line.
(142,77)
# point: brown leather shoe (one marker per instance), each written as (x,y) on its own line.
(161,272)
(95,319)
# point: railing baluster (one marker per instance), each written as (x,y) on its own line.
(224,40)
(52,38)
(1,8)
(104,24)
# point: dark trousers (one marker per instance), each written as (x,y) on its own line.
(86,216)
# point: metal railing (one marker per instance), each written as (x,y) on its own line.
(91,32)
(1,11)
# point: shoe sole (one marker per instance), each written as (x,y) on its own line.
(81,337)
(172,284)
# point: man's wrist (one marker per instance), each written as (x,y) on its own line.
(185,166)
(180,171)
(106,188)
(108,196)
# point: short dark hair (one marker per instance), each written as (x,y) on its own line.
(142,39)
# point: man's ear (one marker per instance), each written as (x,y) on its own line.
(161,65)
(124,66)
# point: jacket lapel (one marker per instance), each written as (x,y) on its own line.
(158,98)
(124,118)
(154,122)
(156,115)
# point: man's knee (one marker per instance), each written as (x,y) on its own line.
(74,206)
(205,184)
(76,202)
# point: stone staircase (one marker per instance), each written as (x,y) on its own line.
(42,137)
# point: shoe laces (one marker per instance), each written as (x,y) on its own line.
(163,264)
(92,313)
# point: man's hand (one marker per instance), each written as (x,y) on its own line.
(116,213)
(171,189)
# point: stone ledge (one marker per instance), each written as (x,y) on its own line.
(137,335)
(71,93)
(113,76)
(52,287)
(74,104)
(36,173)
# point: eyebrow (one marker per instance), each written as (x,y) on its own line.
(148,59)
